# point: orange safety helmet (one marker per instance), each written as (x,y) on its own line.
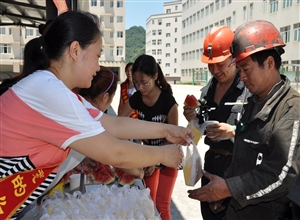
(254,36)
(217,45)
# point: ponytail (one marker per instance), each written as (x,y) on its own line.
(162,82)
(34,59)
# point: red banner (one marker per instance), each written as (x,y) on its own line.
(61,6)
(15,189)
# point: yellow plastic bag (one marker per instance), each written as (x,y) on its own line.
(192,167)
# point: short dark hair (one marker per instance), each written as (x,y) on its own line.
(261,56)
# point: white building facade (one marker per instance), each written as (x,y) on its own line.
(112,16)
(198,18)
(163,39)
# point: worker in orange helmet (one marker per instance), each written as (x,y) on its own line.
(224,96)
(266,153)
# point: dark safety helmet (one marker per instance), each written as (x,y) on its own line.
(254,36)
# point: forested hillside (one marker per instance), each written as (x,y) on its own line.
(135,43)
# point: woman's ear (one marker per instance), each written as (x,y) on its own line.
(74,50)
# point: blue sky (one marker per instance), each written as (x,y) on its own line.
(138,11)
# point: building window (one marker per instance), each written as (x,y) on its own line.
(168,24)
(111,19)
(217,4)
(198,34)
(287,3)
(229,1)
(159,32)
(233,17)
(175,40)
(101,3)
(153,42)
(245,13)
(168,55)
(221,23)
(251,9)
(168,45)
(211,6)
(265,5)
(175,30)
(175,50)
(222,3)
(168,34)
(111,34)
(5,48)
(93,2)
(152,21)
(119,51)
(168,11)
(111,51)
(153,52)
(202,13)
(296,68)
(153,32)
(159,61)
(159,52)
(198,15)
(191,21)
(297,32)
(175,70)
(119,19)
(159,22)
(216,24)
(167,64)
(119,34)
(29,32)
(111,3)
(176,18)
(175,60)
(228,21)
(202,33)
(206,11)
(273,6)
(206,31)
(176,8)
(159,42)
(285,33)
(119,4)
(183,40)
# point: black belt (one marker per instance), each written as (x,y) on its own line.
(220,151)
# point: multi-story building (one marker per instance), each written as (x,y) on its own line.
(199,17)
(112,16)
(163,39)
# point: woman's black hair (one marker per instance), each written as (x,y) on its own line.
(146,64)
(104,81)
(126,67)
(66,28)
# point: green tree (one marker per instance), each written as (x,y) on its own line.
(135,43)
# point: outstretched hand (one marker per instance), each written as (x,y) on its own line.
(179,135)
(214,191)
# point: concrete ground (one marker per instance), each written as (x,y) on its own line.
(182,207)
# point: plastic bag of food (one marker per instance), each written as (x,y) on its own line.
(192,167)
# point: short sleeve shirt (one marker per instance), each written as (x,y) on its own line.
(156,113)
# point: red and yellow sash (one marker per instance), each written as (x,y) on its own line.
(16,188)
(124,96)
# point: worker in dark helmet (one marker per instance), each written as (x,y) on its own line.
(266,155)
(223,96)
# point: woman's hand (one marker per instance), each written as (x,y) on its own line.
(172,156)
(220,131)
(87,164)
(189,113)
(179,135)
(149,170)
